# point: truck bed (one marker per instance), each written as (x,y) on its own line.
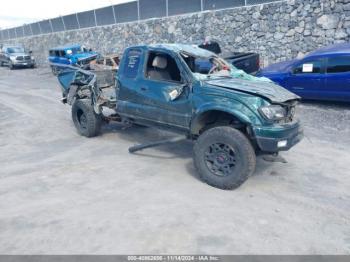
(248,62)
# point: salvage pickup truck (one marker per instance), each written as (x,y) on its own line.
(230,116)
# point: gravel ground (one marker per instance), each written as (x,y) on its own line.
(65,194)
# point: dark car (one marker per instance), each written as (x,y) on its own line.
(16,56)
(229,118)
(248,62)
(321,75)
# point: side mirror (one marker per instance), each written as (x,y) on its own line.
(30,52)
(177,91)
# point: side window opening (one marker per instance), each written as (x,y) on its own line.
(100,61)
(109,62)
(309,67)
(338,64)
(163,67)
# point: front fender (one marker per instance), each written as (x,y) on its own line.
(237,109)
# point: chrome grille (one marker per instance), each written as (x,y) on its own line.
(22,58)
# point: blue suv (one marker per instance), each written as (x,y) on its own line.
(75,55)
(321,75)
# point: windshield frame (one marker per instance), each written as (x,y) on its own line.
(200,76)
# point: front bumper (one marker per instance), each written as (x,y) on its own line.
(278,138)
(23,63)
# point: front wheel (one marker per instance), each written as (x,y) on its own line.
(224,157)
(86,121)
(11,66)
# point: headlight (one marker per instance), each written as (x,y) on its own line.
(32,57)
(13,58)
(273,112)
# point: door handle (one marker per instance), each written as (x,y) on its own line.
(143,88)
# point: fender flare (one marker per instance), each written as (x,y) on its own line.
(246,116)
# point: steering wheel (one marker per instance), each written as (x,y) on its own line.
(211,71)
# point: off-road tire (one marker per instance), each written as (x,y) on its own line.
(240,149)
(86,121)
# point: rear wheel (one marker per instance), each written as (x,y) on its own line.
(224,157)
(86,121)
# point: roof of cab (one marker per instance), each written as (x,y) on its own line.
(66,47)
(190,49)
(342,48)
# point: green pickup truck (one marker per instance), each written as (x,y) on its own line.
(230,116)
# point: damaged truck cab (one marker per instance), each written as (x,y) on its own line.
(230,116)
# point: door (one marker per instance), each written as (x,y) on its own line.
(307,78)
(165,91)
(338,78)
(55,56)
(160,94)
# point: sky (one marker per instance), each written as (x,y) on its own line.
(18,12)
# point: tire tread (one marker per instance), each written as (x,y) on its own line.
(245,148)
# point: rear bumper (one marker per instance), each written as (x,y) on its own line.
(278,138)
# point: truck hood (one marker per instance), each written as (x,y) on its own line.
(268,90)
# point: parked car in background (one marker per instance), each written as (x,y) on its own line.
(75,55)
(108,62)
(16,56)
(321,75)
(248,62)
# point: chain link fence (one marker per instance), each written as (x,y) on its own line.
(127,12)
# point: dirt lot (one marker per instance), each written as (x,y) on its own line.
(61,193)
